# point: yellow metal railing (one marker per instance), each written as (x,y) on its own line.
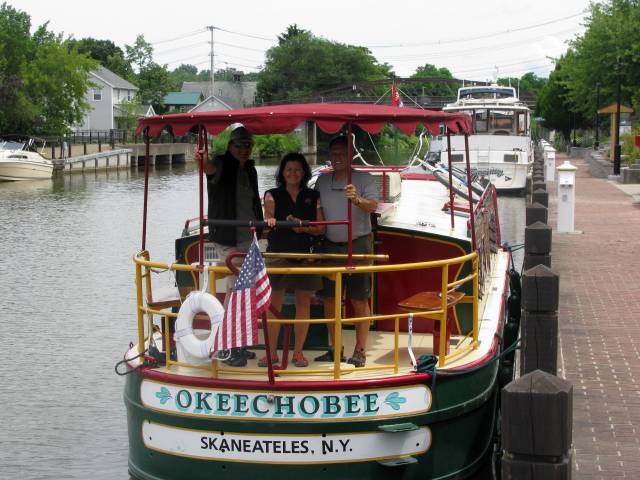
(144,266)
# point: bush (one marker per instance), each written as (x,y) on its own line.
(630,152)
(265,145)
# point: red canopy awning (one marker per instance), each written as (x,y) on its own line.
(329,117)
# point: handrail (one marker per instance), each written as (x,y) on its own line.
(144,290)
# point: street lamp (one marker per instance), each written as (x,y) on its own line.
(617,146)
(596,143)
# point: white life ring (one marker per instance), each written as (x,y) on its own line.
(192,349)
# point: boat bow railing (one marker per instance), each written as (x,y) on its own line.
(148,308)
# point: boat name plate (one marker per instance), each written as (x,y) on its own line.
(339,405)
(287,449)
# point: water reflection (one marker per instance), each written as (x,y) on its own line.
(68,303)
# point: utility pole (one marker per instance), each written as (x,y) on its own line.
(210,28)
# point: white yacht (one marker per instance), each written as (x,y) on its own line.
(21,160)
(500,148)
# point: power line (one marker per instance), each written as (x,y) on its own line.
(180,37)
(466,51)
(162,52)
(250,35)
(241,47)
(478,37)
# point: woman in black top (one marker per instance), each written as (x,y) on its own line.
(292,200)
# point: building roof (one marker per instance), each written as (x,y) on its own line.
(235,94)
(112,79)
(213,103)
(182,98)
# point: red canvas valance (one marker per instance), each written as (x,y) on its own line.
(329,117)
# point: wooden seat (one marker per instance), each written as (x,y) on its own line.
(429,301)
(422,301)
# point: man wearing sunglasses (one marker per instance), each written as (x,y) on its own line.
(335,192)
(232,188)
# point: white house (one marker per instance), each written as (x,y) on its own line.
(104,96)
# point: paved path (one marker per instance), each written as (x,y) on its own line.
(599,319)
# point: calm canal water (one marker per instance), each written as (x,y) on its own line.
(68,308)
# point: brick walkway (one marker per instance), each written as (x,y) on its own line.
(599,318)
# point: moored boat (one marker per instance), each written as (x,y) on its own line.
(500,148)
(21,160)
(426,403)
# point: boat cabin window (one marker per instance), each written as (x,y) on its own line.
(501,122)
(480,120)
(522,123)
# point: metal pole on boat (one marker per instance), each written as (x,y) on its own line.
(450,179)
(146,188)
(349,205)
(202,142)
(469,189)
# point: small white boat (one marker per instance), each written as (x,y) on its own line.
(500,148)
(21,160)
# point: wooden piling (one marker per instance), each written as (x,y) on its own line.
(537,412)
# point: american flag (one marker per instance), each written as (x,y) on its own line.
(396,101)
(250,296)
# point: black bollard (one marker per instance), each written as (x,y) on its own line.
(538,185)
(537,245)
(537,412)
(539,330)
(540,196)
(535,212)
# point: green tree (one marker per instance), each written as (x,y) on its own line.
(529,82)
(292,31)
(129,112)
(430,87)
(154,83)
(302,63)
(42,81)
(16,46)
(106,53)
(553,105)
(140,53)
(606,53)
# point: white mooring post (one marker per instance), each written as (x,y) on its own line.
(549,163)
(566,196)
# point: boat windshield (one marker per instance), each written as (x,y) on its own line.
(9,145)
(486,92)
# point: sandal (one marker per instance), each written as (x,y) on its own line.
(328,356)
(263,362)
(298,360)
(358,359)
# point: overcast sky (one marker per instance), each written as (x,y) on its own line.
(471,39)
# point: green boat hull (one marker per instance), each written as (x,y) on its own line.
(461,425)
